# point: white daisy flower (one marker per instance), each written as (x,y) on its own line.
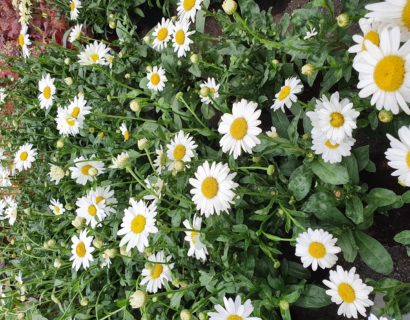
(181,148)
(349,291)
(86,170)
(4,177)
(157,272)
(393,12)
(310,34)
(8,210)
(162,34)
(233,310)
(156,79)
(3,96)
(333,118)
(124,131)
(196,247)
(81,250)
(67,124)
(240,129)
(213,188)
(47,90)
(90,210)
(75,33)
(24,40)
(24,157)
(74,6)
(95,53)
(317,248)
(398,155)
(56,173)
(384,72)
(187,9)
(19,278)
(180,38)
(106,196)
(57,207)
(213,89)
(78,108)
(330,151)
(371,30)
(287,94)
(160,159)
(138,222)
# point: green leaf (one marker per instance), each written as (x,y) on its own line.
(406,197)
(313,297)
(380,197)
(403,237)
(332,215)
(330,173)
(300,182)
(319,201)
(373,253)
(362,156)
(352,169)
(347,243)
(354,209)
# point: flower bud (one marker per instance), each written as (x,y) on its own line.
(283,305)
(92,172)
(186,315)
(138,299)
(179,166)
(194,58)
(343,20)
(78,222)
(271,170)
(57,263)
(60,143)
(67,61)
(127,76)
(97,243)
(101,134)
(204,92)
(148,68)
(84,302)
(308,69)
(142,144)
(275,62)
(230,7)
(201,316)
(112,24)
(51,243)
(385,116)
(135,105)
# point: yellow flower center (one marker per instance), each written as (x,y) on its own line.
(47,92)
(234,317)
(389,73)
(94,57)
(155,79)
(346,292)
(405,15)
(284,93)
(75,112)
(85,169)
(156,270)
(373,37)
(57,209)
(80,249)
(180,37)
(209,187)
(337,119)
(21,40)
(179,152)
(189,4)
(408,159)
(239,128)
(138,224)
(24,156)
(162,34)
(98,199)
(72,6)
(194,235)
(317,250)
(92,210)
(126,135)
(70,121)
(330,145)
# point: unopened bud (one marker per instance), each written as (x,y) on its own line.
(194,58)
(186,315)
(135,105)
(138,299)
(308,69)
(385,116)
(271,170)
(68,81)
(142,144)
(229,6)
(343,20)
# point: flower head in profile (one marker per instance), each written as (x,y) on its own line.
(24,40)
(75,33)
(75,5)
(196,248)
